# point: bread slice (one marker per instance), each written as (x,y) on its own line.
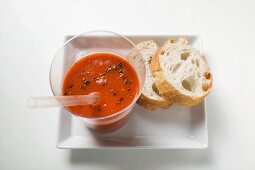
(182,73)
(149,98)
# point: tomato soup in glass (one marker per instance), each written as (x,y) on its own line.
(110,75)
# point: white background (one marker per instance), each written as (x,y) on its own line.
(32,30)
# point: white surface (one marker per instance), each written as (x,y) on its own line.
(172,128)
(32,30)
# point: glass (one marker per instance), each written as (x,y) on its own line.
(93,42)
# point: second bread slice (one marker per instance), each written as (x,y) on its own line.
(150,98)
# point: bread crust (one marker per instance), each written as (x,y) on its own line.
(152,104)
(167,90)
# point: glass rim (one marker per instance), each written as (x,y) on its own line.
(116,113)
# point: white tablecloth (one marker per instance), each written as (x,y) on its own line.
(32,30)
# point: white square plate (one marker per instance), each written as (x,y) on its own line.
(174,128)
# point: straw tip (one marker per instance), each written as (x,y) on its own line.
(31,103)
